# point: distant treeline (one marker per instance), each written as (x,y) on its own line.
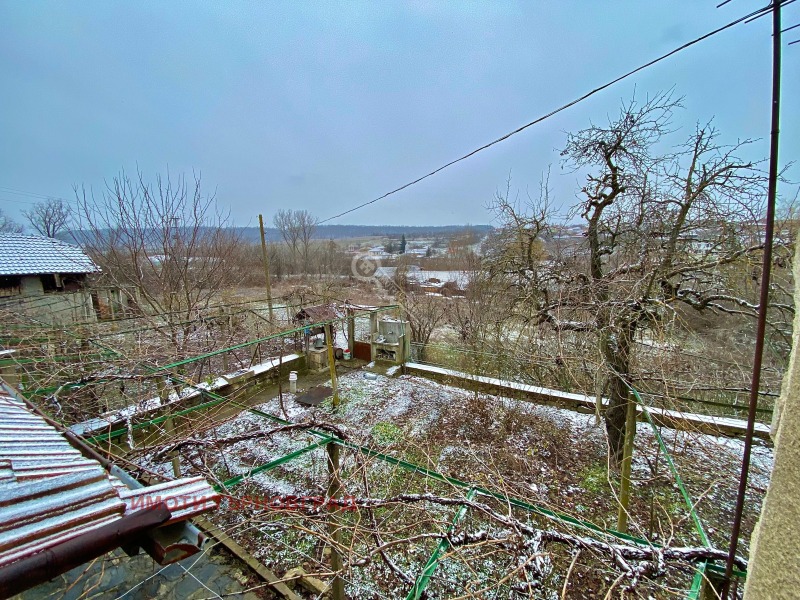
(338,232)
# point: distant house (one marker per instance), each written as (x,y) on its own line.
(378,252)
(46,280)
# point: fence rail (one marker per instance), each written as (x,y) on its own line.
(578,375)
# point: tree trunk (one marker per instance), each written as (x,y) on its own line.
(616,350)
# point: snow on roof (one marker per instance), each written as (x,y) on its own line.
(50,493)
(35,255)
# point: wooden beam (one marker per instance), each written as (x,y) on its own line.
(266,574)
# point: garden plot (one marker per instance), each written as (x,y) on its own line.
(550,458)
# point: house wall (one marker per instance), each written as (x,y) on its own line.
(71,303)
(54,308)
(31,285)
(774,569)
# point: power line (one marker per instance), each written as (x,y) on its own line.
(26,202)
(766,10)
(8,190)
(755,14)
(789,29)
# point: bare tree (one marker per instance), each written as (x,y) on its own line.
(662,230)
(167,241)
(308,225)
(424,312)
(8,225)
(297,229)
(49,218)
(290,232)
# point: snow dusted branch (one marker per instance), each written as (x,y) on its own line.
(217,443)
(633,560)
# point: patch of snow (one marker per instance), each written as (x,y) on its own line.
(589,402)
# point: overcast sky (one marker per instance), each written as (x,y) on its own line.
(323,106)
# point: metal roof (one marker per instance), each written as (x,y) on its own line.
(50,493)
(35,255)
(318,314)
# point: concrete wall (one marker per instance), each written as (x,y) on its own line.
(243,384)
(774,570)
(64,307)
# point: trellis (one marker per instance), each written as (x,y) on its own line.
(704,571)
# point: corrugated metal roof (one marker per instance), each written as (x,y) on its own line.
(35,255)
(50,493)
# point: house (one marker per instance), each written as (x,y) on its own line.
(378,252)
(45,279)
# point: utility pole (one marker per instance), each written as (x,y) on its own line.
(766,266)
(332,365)
(265,258)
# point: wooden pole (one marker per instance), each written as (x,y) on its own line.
(351,331)
(332,364)
(169,426)
(334,490)
(265,258)
(625,469)
(225,323)
(334,483)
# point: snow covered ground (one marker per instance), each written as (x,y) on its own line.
(552,457)
(445,419)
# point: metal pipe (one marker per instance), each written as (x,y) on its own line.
(764,295)
(43,566)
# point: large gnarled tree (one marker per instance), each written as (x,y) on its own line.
(663,226)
